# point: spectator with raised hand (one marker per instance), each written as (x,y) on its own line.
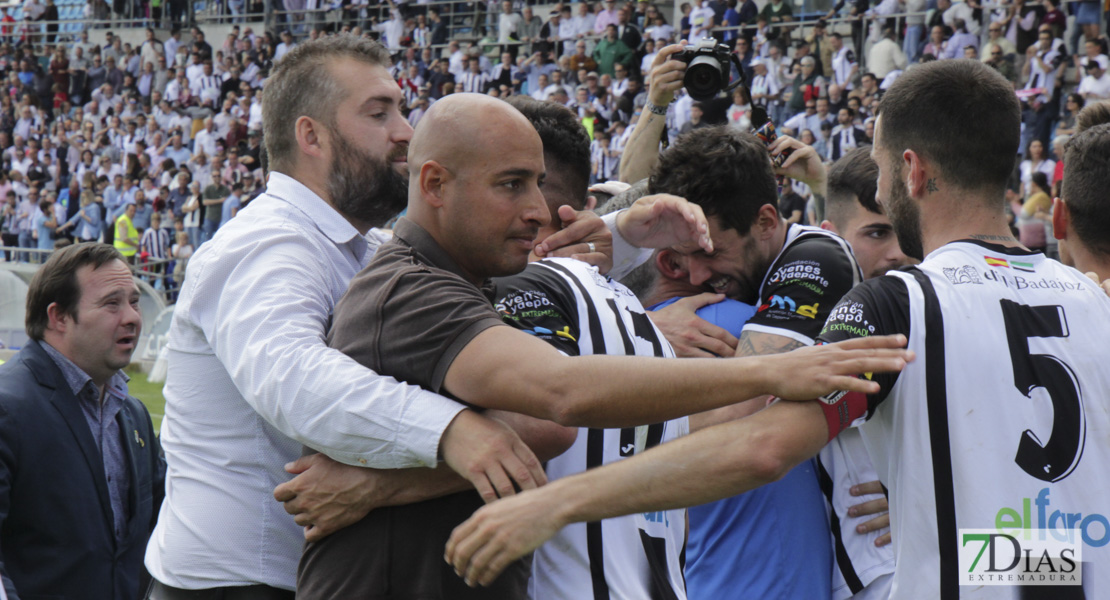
(392,30)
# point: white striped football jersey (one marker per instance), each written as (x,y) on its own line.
(1001,423)
(636,557)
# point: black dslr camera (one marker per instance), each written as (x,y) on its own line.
(707,69)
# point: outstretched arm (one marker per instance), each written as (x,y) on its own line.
(622,391)
(709,465)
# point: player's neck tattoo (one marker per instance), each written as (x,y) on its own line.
(931,185)
(993,238)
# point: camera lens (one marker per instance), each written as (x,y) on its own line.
(703,79)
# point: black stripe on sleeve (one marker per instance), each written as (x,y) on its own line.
(843,561)
(939,441)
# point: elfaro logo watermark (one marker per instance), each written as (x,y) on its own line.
(1021,557)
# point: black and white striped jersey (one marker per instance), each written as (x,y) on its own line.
(812,272)
(1002,422)
(570,305)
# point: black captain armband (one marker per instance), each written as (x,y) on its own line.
(842,409)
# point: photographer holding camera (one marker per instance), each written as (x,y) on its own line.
(704,70)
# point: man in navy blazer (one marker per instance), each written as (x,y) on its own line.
(81,473)
(846,136)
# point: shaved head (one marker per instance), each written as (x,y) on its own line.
(475,167)
(462,128)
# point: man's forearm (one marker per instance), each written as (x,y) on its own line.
(642,151)
(626,391)
(409,486)
(596,391)
(751,344)
(716,463)
(545,438)
(397,487)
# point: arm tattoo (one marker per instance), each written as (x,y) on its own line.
(762,344)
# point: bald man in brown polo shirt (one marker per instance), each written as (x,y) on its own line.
(421,313)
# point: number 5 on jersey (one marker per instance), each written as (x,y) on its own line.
(1056,458)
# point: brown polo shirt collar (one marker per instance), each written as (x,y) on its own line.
(429,250)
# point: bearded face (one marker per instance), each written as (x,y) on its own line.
(365,187)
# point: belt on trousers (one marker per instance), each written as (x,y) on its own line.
(161,591)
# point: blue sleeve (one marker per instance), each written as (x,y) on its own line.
(728,314)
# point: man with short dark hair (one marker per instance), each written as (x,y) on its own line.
(1096,84)
(81,473)
(610,51)
(214,196)
(852,212)
(844,63)
(1080,217)
(846,135)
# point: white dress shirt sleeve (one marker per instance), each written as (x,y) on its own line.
(626,257)
(264,308)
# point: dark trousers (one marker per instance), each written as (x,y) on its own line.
(396,553)
(11,240)
(161,591)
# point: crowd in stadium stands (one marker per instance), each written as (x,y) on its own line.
(173,126)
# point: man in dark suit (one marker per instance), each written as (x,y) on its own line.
(627,31)
(846,135)
(81,473)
